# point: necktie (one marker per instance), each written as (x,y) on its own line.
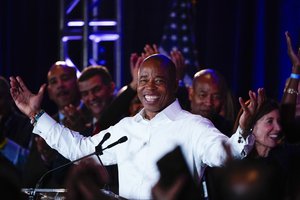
(96,128)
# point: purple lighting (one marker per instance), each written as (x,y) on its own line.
(75,23)
(71,37)
(70,63)
(103,23)
(104,37)
(93,23)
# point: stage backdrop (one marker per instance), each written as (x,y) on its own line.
(243,39)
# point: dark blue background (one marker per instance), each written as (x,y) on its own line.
(244,39)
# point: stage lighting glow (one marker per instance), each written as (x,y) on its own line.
(92,23)
(104,37)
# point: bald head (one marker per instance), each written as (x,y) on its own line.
(61,65)
(207,93)
(209,75)
(164,62)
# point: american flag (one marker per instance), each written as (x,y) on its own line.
(178,34)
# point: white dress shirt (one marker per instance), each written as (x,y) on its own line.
(148,141)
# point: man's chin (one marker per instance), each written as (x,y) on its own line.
(66,98)
(96,112)
(64,102)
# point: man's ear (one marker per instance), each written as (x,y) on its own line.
(191,92)
(112,87)
(176,86)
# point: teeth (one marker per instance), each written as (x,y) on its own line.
(94,103)
(151,98)
(273,136)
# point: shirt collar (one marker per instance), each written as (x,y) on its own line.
(61,116)
(169,113)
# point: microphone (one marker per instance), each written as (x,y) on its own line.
(98,148)
(121,140)
(106,136)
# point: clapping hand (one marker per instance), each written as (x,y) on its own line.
(149,50)
(250,109)
(75,119)
(135,63)
(175,55)
(179,61)
(295,58)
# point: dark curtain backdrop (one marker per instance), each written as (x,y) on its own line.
(243,39)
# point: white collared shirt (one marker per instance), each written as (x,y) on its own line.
(148,141)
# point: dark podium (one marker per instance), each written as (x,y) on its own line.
(60,194)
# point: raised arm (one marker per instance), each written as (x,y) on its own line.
(249,109)
(289,99)
(149,50)
(135,62)
(179,62)
(26,101)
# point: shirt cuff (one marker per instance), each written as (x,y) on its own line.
(244,145)
(248,142)
(43,125)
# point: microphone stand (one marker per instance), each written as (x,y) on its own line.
(33,191)
(98,151)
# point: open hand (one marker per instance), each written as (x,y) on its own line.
(295,58)
(179,61)
(26,101)
(250,108)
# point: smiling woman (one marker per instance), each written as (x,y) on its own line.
(267,128)
(270,145)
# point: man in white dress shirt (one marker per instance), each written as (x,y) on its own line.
(156,130)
